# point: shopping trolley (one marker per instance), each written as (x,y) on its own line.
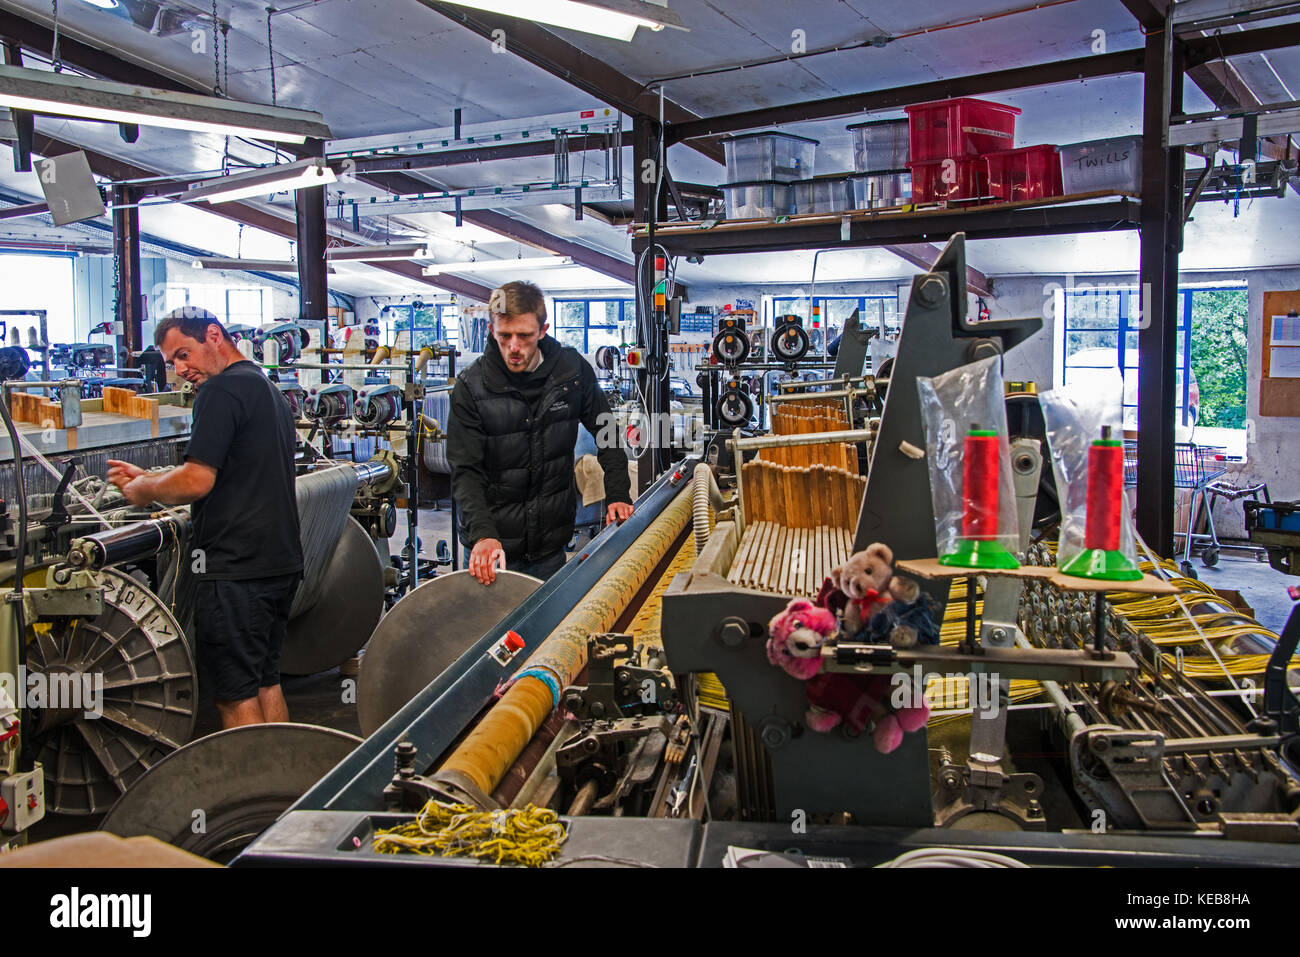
(1195,468)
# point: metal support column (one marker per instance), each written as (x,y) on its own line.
(313,281)
(1162,199)
(651,206)
(126,263)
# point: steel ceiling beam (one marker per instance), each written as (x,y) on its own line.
(1043,74)
(406,162)
(923,256)
(560,58)
(513,229)
(246,215)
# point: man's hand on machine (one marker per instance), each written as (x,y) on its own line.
(122,474)
(485,559)
(618,512)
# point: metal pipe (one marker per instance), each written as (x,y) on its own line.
(865,381)
(836,394)
(806,438)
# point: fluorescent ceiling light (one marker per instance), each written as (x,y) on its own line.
(496,265)
(617,19)
(83,98)
(262,182)
(247,265)
(103,4)
(364,254)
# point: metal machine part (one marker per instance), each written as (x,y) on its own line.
(607,759)
(790,341)
(216,795)
(618,690)
(735,407)
(377,406)
(731,344)
(330,404)
(290,340)
(134,663)
(425,633)
(984,785)
(296,396)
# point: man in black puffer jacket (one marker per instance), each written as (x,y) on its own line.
(511,438)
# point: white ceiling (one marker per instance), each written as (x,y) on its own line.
(374,66)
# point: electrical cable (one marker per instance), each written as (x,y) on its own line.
(952,857)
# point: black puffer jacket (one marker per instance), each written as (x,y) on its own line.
(512,460)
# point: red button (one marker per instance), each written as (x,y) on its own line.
(513,641)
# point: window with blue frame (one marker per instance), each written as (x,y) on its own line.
(588,324)
(836,310)
(1100,334)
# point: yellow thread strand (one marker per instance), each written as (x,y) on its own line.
(529,836)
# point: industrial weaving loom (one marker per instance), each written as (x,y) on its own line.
(631,693)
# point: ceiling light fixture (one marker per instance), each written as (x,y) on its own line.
(365,254)
(247,265)
(303,174)
(617,19)
(496,265)
(84,98)
(103,4)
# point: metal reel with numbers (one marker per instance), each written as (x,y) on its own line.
(149,695)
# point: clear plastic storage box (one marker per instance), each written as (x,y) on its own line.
(759,199)
(778,157)
(880,145)
(887,188)
(823,194)
(1102,164)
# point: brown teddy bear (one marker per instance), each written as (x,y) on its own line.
(863,586)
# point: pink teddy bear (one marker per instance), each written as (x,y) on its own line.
(795,639)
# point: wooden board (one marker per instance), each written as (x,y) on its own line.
(36,410)
(1277,397)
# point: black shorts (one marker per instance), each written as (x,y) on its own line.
(240,626)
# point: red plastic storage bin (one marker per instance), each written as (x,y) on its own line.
(1031,172)
(949,179)
(960,127)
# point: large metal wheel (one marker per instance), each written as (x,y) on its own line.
(216,795)
(425,632)
(351,601)
(149,696)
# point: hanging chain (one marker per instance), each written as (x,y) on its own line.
(270,51)
(54,50)
(225,54)
(216,52)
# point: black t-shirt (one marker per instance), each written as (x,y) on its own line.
(247,526)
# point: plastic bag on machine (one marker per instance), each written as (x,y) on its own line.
(971,487)
(1097,536)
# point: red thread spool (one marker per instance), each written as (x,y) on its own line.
(979,485)
(1105,494)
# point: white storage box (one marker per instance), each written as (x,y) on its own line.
(824,194)
(1114,164)
(880,145)
(779,157)
(887,188)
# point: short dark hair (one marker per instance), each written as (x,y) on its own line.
(516,299)
(192,321)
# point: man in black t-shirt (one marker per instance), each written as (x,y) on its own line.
(238,473)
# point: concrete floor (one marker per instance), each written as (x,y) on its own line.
(1263,587)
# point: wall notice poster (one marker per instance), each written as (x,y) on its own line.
(1279,387)
(1284,362)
